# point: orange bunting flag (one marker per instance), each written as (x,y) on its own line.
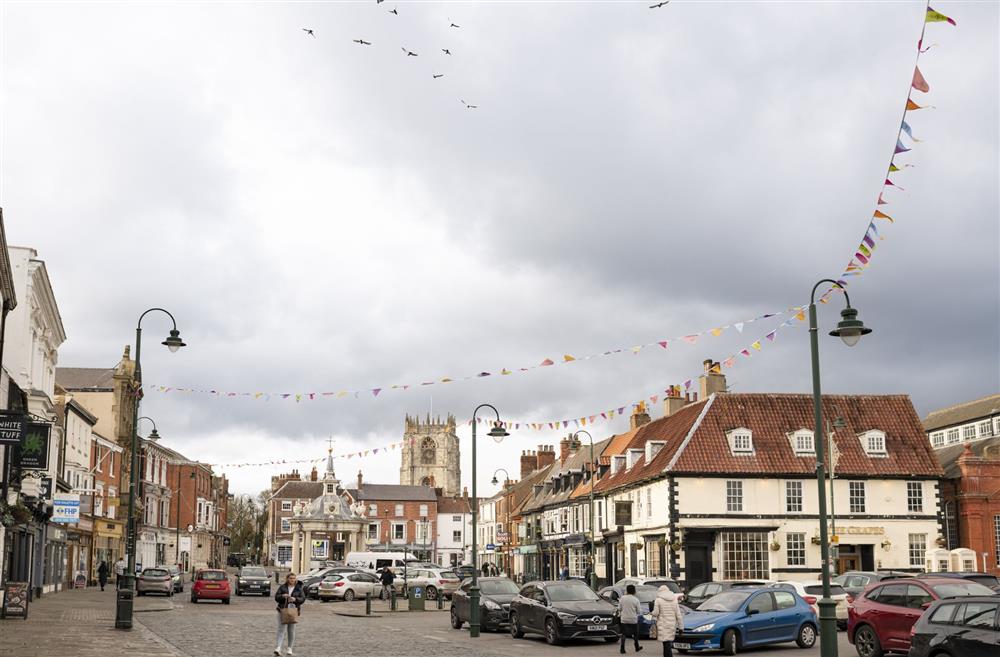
(881,215)
(910,105)
(567,358)
(938,17)
(716,331)
(919,83)
(801,316)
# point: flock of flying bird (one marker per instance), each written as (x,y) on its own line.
(446,51)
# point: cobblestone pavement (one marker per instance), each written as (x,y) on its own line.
(81,623)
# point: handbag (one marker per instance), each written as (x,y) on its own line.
(652,630)
(289,615)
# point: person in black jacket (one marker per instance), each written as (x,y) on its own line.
(290,594)
(387,578)
(102,573)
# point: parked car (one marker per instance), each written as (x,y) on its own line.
(646,595)
(811,591)
(967,627)
(742,617)
(211,584)
(435,582)
(310,581)
(560,611)
(706,590)
(464,571)
(155,580)
(348,586)
(856,581)
(176,576)
(880,619)
(495,595)
(987,580)
(649,581)
(253,579)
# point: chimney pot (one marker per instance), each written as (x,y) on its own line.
(360,480)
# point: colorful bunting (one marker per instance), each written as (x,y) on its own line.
(919,83)
(937,17)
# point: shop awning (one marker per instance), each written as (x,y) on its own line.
(527,549)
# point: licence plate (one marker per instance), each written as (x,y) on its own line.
(596,628)
(211,586)
(682,646)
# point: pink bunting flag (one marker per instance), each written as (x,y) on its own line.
(690,339)
(546,363)
(729,362)
(919,83)
(375,391)
(654,398)
(662,343)
(881,201)
(889,183)
(745,352)
(770,336)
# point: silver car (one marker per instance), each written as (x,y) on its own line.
(176,576)
(155,580)
(348,586)
(438,581)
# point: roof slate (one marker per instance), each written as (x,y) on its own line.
(393,492)
(85,378)
(453,505)
(300,490)
(948,456)
(962,413)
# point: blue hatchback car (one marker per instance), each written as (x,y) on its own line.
(740,618)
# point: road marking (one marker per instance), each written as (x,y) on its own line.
(436,638)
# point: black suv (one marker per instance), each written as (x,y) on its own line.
(495,595)
(966,627)
(987,580)
(562,610)
(253,579)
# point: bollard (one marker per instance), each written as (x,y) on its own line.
(440,600)
(392,600)
(368,603)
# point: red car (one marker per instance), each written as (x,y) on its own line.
(879,620)
(211,585)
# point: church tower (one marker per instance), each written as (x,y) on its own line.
(430,455)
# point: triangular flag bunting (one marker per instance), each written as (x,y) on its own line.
(546,362)
(755,344)
(662,343)
(919,83)
(881,215)
(567,358)
(900,148)
(739,327)
(909,133)
(938,17)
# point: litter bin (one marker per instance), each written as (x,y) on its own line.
(416,598)
(123,609)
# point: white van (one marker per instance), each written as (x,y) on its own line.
(376,561)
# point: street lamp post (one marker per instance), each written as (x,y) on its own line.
(849,329)
(123,611)
(593,476)
(496,432)
(506,506)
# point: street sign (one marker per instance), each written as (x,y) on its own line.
(491,547)
(13,427)
(46,493)
(33,452)
(66,507)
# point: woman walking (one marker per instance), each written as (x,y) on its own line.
(668,617)
(102,573)
(290,598)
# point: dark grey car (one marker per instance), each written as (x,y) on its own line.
(495,595)
(856,581)
(253,580)
(562,610)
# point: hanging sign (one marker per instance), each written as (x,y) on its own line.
(66,507)
(13,427)
(33,452)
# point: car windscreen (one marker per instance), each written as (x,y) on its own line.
(568,592)
(960,588)
(817,589)
(254,572)
(154,572)
(498,587)
(447,574)
(669,583)
(645,593)
(212,575)
(730,600)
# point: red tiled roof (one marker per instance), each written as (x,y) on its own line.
(772,416)
(453,505)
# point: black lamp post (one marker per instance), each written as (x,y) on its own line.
(506,506)
(849,329)
(123,611)
(497,432)
(593,476)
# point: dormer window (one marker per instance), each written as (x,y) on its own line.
(633,457)
(873,442)
(617,463)
(740,441)
(803,442)
(653,448)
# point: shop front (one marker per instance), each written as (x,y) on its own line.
(80,550)
(107,544)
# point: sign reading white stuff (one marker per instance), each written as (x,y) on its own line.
(66,507)
(12,428)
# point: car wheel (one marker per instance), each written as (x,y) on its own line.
(515,630)
(551,632)
(348,595)
(866,642)
(456,622)
(432,593)
(194,600)
(225,601)
(807,636)
(729,642)
(239,592)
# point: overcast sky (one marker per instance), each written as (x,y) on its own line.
(321,215)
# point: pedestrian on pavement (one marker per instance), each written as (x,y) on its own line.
(486,569)
(290,599)
(387,578)
(119,572)
(629,609)
(102,573)
(668,617)
(564,575)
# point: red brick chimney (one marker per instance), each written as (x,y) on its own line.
(546,456)
(314,475)
(639,416)
(529,461)
(360,480)
(568,446)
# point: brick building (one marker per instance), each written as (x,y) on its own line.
(399,517)
(198,514)
(287,491)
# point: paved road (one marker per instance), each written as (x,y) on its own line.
(80,624)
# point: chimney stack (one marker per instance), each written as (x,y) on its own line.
(673,402)
(712,381)
(465,492)
(360,480)
(528,462)
(546,456)
(314,475)
(639,416)
(567,447)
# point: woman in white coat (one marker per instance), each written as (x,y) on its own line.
(668,617)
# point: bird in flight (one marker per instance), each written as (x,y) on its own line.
(437,75)
(378,2)
(468,106)
(452,24)
(393,11)
(309,32)
(659,4)
(363,42)
(446,51)
(410,53)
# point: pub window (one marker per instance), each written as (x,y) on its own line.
(914,496)
(917,549)
(649,502)
(286,525)
(745,555)
(793,496)
(623,513)
(734,496)
(286,505)
(654,565)
(373,531)
(398,531)
(856,496)
(796,549)
(950,527)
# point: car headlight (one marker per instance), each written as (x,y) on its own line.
(243,581)
(704,628)
(489,604)
(565,617)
